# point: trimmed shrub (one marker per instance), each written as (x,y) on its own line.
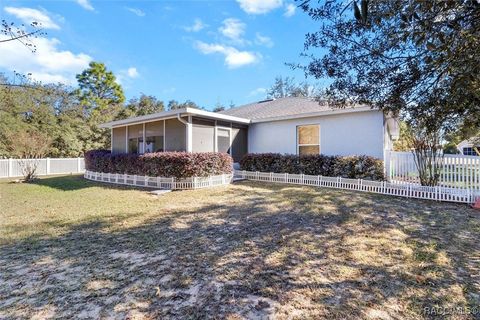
(160,164)
(353,167)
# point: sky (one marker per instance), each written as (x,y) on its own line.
(210,52)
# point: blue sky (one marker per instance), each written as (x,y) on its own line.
(205,51)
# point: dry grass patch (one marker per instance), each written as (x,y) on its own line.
(74,248)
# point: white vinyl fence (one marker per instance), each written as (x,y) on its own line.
(160,182)
(458,171)
(10,168)
(381,187)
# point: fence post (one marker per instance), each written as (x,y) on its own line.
(10,167)
(79,164)
(48,166)
(387,164)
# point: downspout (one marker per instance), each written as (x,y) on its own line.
(188,126)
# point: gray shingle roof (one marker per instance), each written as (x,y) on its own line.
(277,108)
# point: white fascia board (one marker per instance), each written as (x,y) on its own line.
(172,114)
(146,118)
(468,143)
(217,116)
(316,114)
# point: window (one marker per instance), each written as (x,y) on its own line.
(308,139)
(469,151)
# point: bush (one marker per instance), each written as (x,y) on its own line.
(160,164)
(353,167)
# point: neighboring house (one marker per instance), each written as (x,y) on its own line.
(469,147)
(286,125)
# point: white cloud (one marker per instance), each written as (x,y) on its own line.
(289,10)
(196,26)
(233,57)
(86,4)
(136,11)
(29,15)
(259,6)
(263,40)
(48,64)
(257,92)
(233,29)
(132,72)
(124,76)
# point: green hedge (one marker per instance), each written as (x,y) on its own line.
(353,167)
(160,164)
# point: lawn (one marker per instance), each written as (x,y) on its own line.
(74,248)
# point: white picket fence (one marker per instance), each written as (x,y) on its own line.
(160,182)
(10,168)
(458,171)
(382,187)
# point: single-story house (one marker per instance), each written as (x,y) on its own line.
(285,125)
(469,147)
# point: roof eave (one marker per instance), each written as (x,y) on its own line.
(172,114)
(315,114)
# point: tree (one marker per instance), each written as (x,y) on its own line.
(174,105)
(21,33)
(218,107)
(404,141)
(140,107)
(287,87)
(417,59)
(101,98)
(30,145)
(51,110)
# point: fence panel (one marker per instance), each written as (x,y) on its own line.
(11,168)
(407,190)
(457,171)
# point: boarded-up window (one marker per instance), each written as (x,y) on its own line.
(308,139)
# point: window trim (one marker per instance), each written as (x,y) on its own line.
(308,144)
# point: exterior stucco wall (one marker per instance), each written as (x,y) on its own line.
(360,133)
(119,140)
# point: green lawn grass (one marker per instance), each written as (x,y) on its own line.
(75,248)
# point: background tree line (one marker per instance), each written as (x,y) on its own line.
(55,120)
